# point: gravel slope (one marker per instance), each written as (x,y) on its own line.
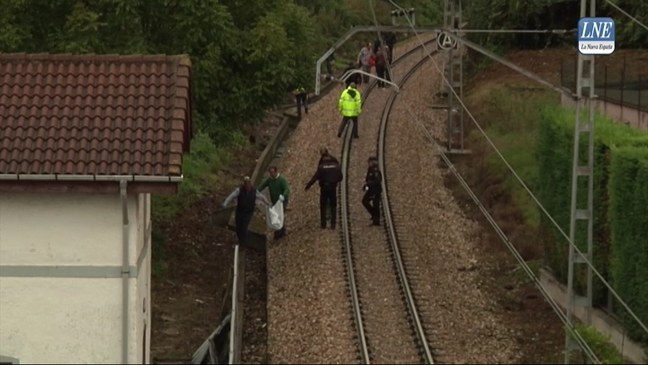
(309,318)
(437,241)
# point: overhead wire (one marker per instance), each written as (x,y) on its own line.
(570,327)
(526,188)
(566,321)
(627,14)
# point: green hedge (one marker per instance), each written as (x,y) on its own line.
(554,151)
(629,230)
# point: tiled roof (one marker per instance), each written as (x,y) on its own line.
(94,114)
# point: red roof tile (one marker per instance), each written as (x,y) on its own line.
(94,114)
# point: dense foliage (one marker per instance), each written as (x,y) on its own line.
(620,206)
(550,14)
(242,52)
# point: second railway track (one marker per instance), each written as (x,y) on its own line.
(389,327)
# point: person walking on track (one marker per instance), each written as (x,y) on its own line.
(247,197)
(373,191)
(329,175)
(279,190)
(363,61)
(350,106)
(381,66)
(325,152)
(301,98)
(354,78)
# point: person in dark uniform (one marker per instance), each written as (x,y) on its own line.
(355,78)
(247,197)
(373,190)
(329,175)
(325,152)
(390,40)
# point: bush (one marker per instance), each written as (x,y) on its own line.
(554,157)
(198,168)
(629,231)
(606,352)
(512,127)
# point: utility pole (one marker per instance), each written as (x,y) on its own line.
(584,80)
(454,74)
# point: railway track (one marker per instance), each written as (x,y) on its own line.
(388,324)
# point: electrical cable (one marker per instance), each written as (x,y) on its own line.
(626,14)
(526,188)
(570,327)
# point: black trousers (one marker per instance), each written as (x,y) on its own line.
(282,232)
(380,72)
(302,101)
(242,223)
(343,124)
(328,199)
(371,202)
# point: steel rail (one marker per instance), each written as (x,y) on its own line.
(390,226)
(344,216)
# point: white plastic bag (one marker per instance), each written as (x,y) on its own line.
(275,216)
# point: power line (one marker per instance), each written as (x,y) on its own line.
(577,250)
(565,320)
(626,14)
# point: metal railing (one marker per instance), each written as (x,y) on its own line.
(624,83)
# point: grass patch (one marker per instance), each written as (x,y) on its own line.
(511,122)
(200,169)
(158,250)
(600,344)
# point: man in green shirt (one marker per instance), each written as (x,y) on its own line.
(279,191)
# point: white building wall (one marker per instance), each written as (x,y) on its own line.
(53,307)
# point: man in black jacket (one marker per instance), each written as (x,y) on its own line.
(247,197)
(329,175)
(325,152)
(373,190)
(355,78)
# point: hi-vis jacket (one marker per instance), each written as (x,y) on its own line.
(350,102)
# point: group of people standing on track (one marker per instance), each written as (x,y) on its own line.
(328,174)
(377,55)
(329,171)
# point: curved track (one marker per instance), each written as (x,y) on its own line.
(365,299)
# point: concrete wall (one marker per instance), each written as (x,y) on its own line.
(622,114)
(603,322)
(60,278)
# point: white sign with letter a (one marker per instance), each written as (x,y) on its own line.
(445,42)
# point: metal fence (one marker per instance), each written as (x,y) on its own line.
(624,82)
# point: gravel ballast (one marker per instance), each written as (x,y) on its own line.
(438,242)
(389,334)
(309,316)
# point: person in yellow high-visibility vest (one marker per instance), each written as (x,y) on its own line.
(350,106)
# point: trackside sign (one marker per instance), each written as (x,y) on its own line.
(596,36)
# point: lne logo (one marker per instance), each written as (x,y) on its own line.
(596,36)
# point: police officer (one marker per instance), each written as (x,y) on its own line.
(301,98)
(329,175)
(350,106)
(247,197)
(373,190)
(325,152)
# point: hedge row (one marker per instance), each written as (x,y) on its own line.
(629,222)
(620,205)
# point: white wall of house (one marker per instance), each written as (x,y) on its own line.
(60,289)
